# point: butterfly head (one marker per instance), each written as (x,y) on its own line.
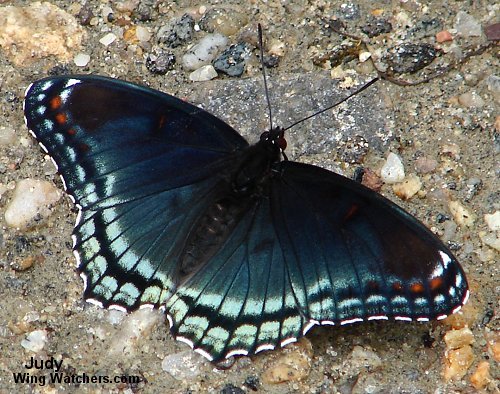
(276,139)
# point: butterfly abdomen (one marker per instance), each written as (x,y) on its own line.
(210,232)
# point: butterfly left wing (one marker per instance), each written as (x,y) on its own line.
(142,166)
(318,249)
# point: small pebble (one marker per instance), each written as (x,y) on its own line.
(493,84)
(7,136)
(233,60)
(185,365)
(204,73)
(371,180)
(108,39)
(142,34)
(225,21)
(231,389)
(425,165)
(492,32)
(292,363)
(177,31)
(460,214)
(349,11)
(481,377)
(493,220)
(160,61)
(409,58)
(393,169)
(204,51)
(471,100)
(81,60)
(364,56)
(466,25)
(376,27)
(408,188)
(362,358)
(444,36)
(458,362)
(455,339)
(35,341)
(134,326)
(30,202)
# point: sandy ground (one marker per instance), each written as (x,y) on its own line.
(413,121)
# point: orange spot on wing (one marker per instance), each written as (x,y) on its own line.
(162,121)
(417,288)
(61,118)
(352,210)
(71,131)
(83,147)
(397,286)
(436,283)
(55,102)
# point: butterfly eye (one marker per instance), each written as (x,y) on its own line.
(265,136)
(281,143)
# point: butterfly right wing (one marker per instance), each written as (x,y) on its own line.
(141,166)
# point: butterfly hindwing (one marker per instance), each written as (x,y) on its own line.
(140,164)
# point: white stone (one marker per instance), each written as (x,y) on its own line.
(461,215)
(204,73)
(493,220)
(184,365)
(142,34)
(81,60)
(393,170)
(364,56)
(204,51)
(108,39)
(30,201)
(35,341)
(133,327)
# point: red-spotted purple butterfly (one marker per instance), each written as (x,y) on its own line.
(244,249)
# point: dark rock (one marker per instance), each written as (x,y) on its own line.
(144,10)
(271,61)
(492,32)
(349,11)
(159,62)
(354,149)
(340,54)
(375,26)
(231,389)
(252,382)
(178,31)
(233,60)
(85,15)
(409,58)
(426,28)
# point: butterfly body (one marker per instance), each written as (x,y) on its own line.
(245,251)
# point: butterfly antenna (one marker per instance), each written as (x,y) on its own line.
(365,86)
(264,75)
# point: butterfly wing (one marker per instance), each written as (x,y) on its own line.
(319,249)
(361,256)
(141,166)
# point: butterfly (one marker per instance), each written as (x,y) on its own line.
(244,249)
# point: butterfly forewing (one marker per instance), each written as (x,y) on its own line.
(139,164)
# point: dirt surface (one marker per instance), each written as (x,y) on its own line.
(432,120)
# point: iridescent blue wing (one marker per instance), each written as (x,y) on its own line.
(319,249)
(141,166)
